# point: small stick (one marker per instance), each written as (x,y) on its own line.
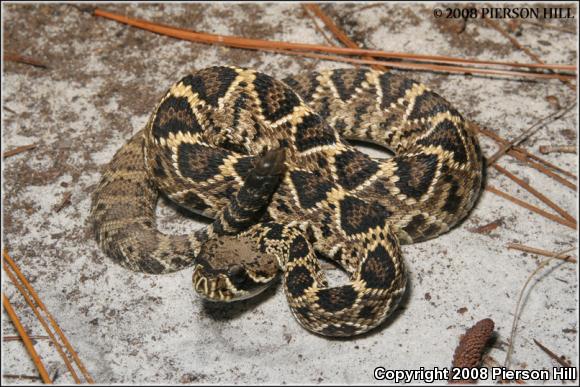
(64,202)
(559,359)
(545,149)
(536,193)
(528,132)
(24,59)
(530,207)
(26,340)
(18,150)
(545,253)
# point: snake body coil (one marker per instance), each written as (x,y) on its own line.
(268,161)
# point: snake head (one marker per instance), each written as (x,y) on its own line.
(231,269)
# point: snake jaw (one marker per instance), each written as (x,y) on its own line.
(232,284)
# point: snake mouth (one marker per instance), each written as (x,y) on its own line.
(232,284)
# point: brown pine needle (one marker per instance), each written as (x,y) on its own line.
(549,26)
(519,306)
(416,66)
(29,377)
(338,33)
(64,202)
(26,340)
(559,359)
(240,42)
(497,26)
(18,150)
(530,207)
(545,253)
(528,132)
(39,317)
(24,59)
(16,338)
(316,26)
(527,157)
(536,193)
(55,326)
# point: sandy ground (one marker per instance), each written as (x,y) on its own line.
(102,81)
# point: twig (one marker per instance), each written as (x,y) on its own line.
(235,41)
(26,340)
(536,193)
(18,150)
(24,59)
(530,207)
(517,312)
(545,253)
(39,317)
(471,347)
(64,202)
(338,33)
(559,359)
(528,132)
(545,149)
(42,307)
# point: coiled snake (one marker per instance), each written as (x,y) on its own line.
(268,161)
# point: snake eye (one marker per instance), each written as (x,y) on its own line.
(239,277)
(236,271)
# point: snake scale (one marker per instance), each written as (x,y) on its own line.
(269,161)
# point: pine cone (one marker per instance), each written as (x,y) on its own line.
(471,346)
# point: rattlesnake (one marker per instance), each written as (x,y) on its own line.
(269,161)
